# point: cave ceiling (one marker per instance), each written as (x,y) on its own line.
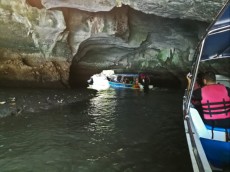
(81,37)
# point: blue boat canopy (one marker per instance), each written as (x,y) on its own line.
(216,43)
(127,75)
(223,20)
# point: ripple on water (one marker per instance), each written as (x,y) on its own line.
(116,130)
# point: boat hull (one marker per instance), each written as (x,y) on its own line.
(212,153)
(217,152)
(122,85)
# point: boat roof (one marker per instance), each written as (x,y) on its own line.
(128,75)
(223,19)
(216,43)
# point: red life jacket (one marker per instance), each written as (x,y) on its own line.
(215,102)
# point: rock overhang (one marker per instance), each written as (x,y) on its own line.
(146,35)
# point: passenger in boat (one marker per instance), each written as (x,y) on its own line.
(199,80)
(119,79)
(136,83)
(198,84)
(145,83)
(126,81)
(215,101)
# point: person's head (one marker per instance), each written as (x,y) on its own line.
(209,77)
(199,79)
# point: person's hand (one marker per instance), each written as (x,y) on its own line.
(189,75)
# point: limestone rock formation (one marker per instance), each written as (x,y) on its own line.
(46,43)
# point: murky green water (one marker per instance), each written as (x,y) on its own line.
(115,131)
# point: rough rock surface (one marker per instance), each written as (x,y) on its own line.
(184,9)
(46,43)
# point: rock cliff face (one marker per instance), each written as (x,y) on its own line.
(46,43)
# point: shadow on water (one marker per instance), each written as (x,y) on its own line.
(115,131)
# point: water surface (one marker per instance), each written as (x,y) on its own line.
(115,131)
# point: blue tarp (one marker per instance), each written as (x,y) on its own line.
(222,20)
(217,41)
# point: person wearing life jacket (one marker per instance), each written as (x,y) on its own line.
(198,84)
(145,81)
(215,101)
(199,80)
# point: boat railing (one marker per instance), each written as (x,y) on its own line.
(198,167)
(198,160)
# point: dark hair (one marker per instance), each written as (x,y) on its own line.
(199,79)
(210,76)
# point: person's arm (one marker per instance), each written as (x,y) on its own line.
(196,95)
(228,89)
(188,76)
